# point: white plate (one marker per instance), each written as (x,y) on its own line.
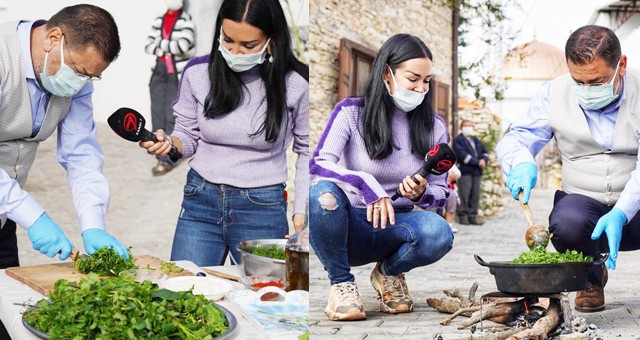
(211,288)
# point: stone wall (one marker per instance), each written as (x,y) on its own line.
(370,23)
(487,127)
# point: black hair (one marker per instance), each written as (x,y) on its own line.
(378,104)
(88,25)
(589,42)
(226,93)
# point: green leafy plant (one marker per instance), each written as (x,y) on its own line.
(539,255)
(105,262)
(271,251)
(120,308)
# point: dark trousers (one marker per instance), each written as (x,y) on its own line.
(572,221)
(8,257)
(469,191)
(163,88)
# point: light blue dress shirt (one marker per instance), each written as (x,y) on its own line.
(530,132)
(77,148)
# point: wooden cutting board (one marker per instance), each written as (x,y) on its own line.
(42,278)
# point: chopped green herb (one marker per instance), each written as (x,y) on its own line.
(105,262)
(271,251)
(120,308)
(170,267)
(539,255)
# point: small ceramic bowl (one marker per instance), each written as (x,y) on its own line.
(211,288)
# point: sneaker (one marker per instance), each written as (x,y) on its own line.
(453,229)
(392,292)
(345,303)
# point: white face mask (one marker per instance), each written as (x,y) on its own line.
(174,5)
(596,97)
(467,131)
(65,83)
(242,62)
(405,100)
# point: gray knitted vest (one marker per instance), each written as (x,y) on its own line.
(17,147)
(587,167)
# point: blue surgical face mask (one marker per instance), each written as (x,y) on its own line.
(405,100)
(598,96)
(242,62)
(65,83)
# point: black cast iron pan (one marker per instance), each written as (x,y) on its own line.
(532,279)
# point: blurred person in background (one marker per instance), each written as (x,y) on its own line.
(237,111)
(472,159)
(172,41)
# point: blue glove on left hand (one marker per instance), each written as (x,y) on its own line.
(522,177)
(95,239)
(612,224)
(48,238)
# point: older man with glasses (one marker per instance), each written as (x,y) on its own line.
(593,113)
(46,70)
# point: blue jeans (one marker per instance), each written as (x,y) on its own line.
(342,237)
(216,217)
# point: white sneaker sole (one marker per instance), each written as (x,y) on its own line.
(351,315)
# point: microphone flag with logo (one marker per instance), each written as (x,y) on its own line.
(436,162)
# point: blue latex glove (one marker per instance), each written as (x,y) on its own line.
(95,239)
(48,238)
(612,224)
(522,177)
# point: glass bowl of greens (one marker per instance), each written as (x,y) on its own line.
(263,257)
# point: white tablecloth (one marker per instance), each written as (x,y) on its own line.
(12,291)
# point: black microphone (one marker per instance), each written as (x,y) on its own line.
(129,124)
(436,162)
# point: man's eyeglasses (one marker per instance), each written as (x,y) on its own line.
(80,75)
(600,84)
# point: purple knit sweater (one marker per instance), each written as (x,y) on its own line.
(341,157)
(223,150)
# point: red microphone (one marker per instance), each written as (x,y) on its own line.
(436,162)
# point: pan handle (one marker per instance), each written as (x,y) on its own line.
(601,261)
(480,260)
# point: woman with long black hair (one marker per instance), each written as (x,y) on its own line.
(237,111)
(368,150)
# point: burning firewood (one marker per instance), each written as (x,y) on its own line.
(457,304)
(544,325)
(500,313)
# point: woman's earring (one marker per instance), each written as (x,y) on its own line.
(271,58)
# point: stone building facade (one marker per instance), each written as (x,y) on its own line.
(369,23)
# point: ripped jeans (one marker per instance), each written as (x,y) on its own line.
(342,237)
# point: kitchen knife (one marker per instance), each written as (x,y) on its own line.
(75,255)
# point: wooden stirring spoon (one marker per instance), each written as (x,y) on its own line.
(536,235)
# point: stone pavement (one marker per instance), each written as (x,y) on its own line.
(143,209)
(500,238)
